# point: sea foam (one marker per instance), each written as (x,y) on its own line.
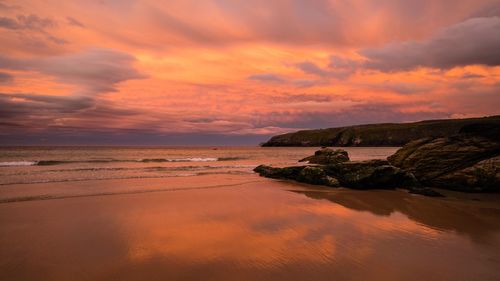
(195,159)
(18,163)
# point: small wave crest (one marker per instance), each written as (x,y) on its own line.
(195,159)
(146,160)
(18,163)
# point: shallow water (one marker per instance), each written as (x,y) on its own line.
(231,224)
(55,164)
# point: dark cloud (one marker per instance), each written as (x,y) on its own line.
(338,68)
(58,136)
(278,79)
(95,70)
(74,22)
(31,111)
(311,68)
(300,98)
(32,29)
(405,88)
(22,105)
(201,120)
(7,62)
(471,76)
(31,22)
(305,83)
(474,41)
(56,40)
(267,77)
(342,63)
(8,23)
(99,70)
(31,119)
(39,112)
(5,78)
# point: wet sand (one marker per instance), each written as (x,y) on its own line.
(232,227)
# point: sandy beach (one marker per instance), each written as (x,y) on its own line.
(243,228)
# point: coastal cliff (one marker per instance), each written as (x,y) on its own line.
(388,134)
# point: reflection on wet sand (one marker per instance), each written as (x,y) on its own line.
(254,231)
(479,218)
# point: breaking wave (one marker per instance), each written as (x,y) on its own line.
(147,160)
(18,163)
(196,159)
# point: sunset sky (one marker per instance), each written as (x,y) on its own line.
(237,72)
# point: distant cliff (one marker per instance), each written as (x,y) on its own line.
(387,134)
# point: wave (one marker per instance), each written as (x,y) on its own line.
(147,160)
(139,169)
(18,163)
(195,159)
(123,177)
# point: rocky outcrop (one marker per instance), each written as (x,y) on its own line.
(359,175)
(305,174)
(327,156)
(317,175)
(371,174)
(483,176)
(279,173)
(389,134)
(468,161)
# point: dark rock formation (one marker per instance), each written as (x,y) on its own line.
(468,161)
(483,176)
(359,175)
(279,173)
(317,175)
(379,134)
(306,174)
(371,174)
(327,156)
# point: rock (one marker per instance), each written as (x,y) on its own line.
(371,174)
(426,192)
(316,175)
(305,174)
(327,156)
(430,158)
(483,176)
(465,162)
(279,173)
(360,175)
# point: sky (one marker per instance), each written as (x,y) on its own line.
(229,72)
